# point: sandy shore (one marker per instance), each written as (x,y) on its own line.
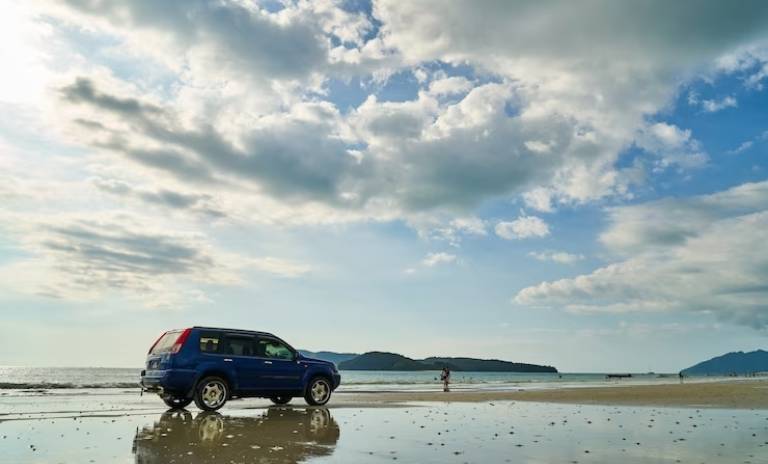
(120,427)
(123,428)
(737,395)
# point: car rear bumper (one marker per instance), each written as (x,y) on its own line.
(176,381)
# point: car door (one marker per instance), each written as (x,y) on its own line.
(238,351)
(281,371)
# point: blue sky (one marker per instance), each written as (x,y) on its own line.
(428,178)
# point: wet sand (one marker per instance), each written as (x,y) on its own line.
(746,394)
(121,427)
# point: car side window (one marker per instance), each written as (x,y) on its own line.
(238,345)
(270,348)
(209,342)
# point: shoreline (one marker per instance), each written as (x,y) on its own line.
(733,394)
(741,394)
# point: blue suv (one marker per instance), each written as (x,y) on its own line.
(211,365)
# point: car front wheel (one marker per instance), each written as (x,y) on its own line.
(318,391)
(211,393)
(176,402)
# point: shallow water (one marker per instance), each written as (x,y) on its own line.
(125,428)
(58,378)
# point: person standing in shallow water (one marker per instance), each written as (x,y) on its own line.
(445,377)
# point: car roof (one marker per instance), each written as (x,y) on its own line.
(234,330)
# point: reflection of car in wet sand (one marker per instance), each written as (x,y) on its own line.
(280,435)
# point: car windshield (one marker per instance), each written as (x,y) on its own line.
(166,342)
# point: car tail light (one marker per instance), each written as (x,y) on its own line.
(158,339)
(180,341)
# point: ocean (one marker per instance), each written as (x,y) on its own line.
(57,378)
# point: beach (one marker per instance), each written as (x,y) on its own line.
(698,422)
(737,394)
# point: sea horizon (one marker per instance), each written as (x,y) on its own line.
(40,379)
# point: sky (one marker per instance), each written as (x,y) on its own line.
(578,184)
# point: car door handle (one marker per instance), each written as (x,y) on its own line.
(267,362)
(227,360)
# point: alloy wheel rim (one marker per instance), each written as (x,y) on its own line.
(320,391)
(214,394)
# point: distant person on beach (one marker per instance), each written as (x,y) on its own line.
(445,377)
(681,376)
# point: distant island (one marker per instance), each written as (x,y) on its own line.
(382,361)
(488,365)
(737,363)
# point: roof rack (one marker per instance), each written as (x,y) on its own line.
(232,330)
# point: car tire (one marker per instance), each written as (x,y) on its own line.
(176,402)
(280,399)
(211,393)
(318,391)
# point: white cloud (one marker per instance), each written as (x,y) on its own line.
(757,78)
(212,38)
(381,122)
(702,254)
(537,146)
(21,38)
(522,227)
(573,111)
(671,222)
(602,74)
(561,257)
(280,267)
(87,257)
(450,86)
(673,146)
(435,259)
(712,106)
(203,205)
(539,199)
(744,146)
(747,144)
(470,225)
(452,231)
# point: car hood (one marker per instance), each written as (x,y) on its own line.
(317,361)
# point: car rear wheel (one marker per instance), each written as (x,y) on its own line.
(211,393)
(318,391)
(281,399)
(176,402)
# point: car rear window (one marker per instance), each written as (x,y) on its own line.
(209,342)
(166,342)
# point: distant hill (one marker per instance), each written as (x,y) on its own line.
(732,363)
(488,365)
(331,356)
(380,361)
